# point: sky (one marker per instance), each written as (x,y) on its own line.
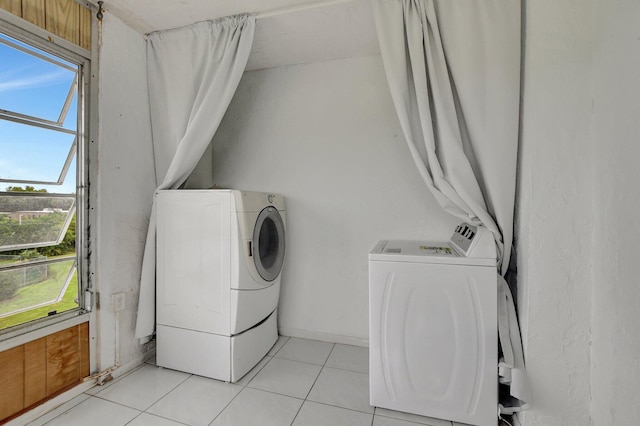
(33,86)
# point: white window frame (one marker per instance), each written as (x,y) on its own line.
(24,31)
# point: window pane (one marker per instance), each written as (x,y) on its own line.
(40,99)
(36,290)
(25,77)
(33,221)
(33,154)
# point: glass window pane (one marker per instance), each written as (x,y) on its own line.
(32,153)
(25,77)
(34,221)
(35,290)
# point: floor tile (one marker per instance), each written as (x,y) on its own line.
(346,389)
(97,412)
(196,401)
(252,373)
(59,410)
(278,345)
(304,350)
(315,414)
(146,419)
(347,357)
(143,387)
(382,412)
(286,377)
(255,407)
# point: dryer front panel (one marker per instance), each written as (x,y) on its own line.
(193,260)
(268,246)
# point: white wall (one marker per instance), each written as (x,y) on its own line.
(616,293)
(125,184)
(578,225)
(326,135)
(555,211)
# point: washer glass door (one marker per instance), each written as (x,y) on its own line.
(268,243)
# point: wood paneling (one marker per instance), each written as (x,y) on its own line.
(85,28)
(11,381)
(83,335)
(63,359)
(35,371)
(38,370)
(13,6)
(65,18)
(34,12)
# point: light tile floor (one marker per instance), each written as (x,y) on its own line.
(300,382)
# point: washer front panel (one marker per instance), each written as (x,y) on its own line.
(268,243)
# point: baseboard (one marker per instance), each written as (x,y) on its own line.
(325,337)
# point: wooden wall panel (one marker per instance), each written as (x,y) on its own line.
(35,371)
(13,6)
(34,12)
(11,381)
(65,18)
(63,359)
(85,368)
(85,28)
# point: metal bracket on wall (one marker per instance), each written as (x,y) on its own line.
(100,15)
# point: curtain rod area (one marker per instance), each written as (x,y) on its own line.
(298,8)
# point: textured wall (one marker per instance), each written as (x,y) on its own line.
(616,293)
(125,183)
(555,215)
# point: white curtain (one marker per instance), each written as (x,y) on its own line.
(453,67)
(193,73)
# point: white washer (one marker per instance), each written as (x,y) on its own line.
(433,327)
(219,258)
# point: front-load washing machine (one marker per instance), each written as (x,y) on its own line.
(219,260)
(433,327)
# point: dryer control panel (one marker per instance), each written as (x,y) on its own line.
(473,241)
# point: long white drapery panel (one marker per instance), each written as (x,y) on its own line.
(453,67)
(193,73)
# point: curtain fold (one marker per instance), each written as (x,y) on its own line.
(193,73)
(453,68)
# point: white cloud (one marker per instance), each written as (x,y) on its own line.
(34,81)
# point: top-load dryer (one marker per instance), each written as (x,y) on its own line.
(219,259)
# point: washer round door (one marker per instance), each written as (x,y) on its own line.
(268,244)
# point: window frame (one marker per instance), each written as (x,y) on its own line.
(26,32)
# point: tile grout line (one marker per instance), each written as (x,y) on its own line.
(314,382)
(245,386)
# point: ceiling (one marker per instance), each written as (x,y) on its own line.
(291,31)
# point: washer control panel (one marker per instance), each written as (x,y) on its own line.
(472,241)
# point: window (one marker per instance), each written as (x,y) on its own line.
(42,179)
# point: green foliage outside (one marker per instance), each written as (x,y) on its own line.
(38,229)
(14,294)
(36,292)
(11,282)
(27,188)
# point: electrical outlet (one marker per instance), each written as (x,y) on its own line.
(117,300)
